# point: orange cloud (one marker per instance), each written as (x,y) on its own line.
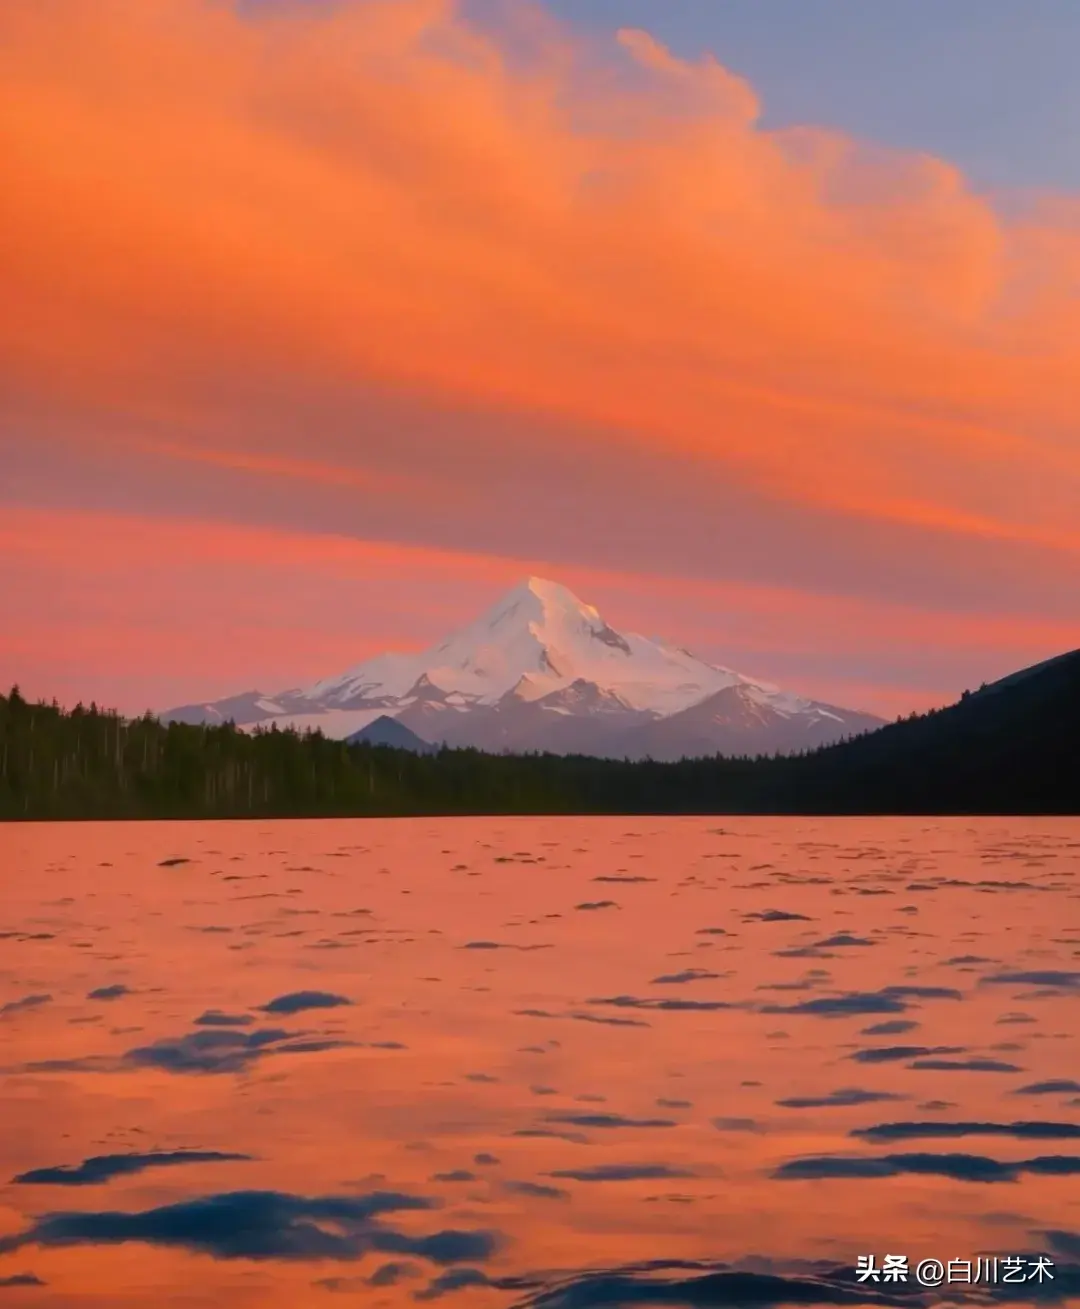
(377,191)
(137,611)
(364,268)
(308,470)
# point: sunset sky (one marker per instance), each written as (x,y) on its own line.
(326,321)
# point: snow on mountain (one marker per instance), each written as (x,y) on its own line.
(737,720)
(539,638)
(543,670)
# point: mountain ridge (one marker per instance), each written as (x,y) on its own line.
(543,670)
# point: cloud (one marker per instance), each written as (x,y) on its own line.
(262,1225)
(821,215)
(280,580)
(958,1167)
(298,1001)
(666,303)
(104,1167)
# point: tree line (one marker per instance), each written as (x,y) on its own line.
(1022,755)
(94,763)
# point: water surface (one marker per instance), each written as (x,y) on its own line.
(565,1063)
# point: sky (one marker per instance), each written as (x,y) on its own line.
(326,321)
(986,84)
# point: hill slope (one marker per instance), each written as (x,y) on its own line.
(388,731)
(1011,747)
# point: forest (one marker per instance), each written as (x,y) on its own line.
(1009,749)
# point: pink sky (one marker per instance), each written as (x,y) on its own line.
(322,328)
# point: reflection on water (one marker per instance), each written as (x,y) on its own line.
(565,1063)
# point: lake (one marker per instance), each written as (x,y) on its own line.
(558,1063)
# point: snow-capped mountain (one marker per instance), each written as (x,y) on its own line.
(541,670)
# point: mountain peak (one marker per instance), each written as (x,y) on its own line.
(537,657)
(560,628)
(542,586)
(541,595)
(538,638)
